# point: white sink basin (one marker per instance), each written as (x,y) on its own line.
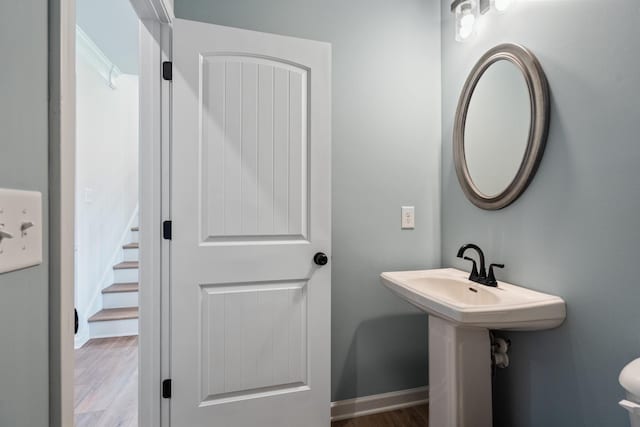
(461,313)
(449,294)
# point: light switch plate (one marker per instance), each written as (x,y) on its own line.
(20,229)
(408,220)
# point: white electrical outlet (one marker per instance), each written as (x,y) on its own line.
(20,229)
(408,217)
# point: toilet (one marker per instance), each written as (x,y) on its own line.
(630,380)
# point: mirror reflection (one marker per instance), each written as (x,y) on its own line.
(497,127)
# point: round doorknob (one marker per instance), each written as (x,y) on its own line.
(320,258)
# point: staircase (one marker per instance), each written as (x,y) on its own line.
(119,315)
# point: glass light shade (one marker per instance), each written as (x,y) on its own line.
(466,14)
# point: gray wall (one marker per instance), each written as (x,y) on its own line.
(24,335)
(575,232)
(386,153)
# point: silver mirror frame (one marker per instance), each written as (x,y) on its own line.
(538,87)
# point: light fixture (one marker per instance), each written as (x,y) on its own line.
(502,5)
(466,14)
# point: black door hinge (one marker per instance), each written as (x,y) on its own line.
(166,389)
(167,70)
(166,230)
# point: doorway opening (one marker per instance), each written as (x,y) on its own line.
(106,249)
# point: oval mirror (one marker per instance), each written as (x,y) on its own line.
(501,126)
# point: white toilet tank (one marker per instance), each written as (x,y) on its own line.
(630,380)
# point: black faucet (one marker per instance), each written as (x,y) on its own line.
(479,276)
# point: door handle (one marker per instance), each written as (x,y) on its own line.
(321,259)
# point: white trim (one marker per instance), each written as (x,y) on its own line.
(153,10)
(165,292)
(83,336)
(87,49)
(62,158)
(114,328)
(153,93)
(375,404)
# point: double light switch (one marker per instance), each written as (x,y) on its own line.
(20,229)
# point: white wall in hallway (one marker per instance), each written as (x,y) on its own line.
(106,180)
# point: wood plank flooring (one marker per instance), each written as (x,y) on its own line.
(106,390)
(417,416)
(106,383)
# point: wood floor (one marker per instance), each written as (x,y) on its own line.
(106,390)
(417,416)
(106,383)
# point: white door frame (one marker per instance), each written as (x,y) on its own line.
(154,202)
(154,142)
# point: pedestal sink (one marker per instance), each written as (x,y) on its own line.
(461,313)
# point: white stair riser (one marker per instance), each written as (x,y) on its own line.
(126,275)
(114,328)
(120,299)
(135,235)
(131,254)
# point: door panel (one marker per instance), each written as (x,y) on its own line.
(254,145)
(254,338)
(251,150)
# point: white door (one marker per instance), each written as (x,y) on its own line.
(251,206)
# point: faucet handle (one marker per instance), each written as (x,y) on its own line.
(491,278)
(474,270)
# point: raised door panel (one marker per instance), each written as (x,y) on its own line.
(254,339)
(254,149)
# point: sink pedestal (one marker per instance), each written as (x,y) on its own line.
(459,375)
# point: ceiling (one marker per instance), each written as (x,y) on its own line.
(113,26)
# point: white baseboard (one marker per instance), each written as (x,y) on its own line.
(114,328)
(82,338)
(368,405)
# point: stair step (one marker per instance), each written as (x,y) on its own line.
(120,300)
(135,228)
(126,265)
(110,314)
(121,287)
(130,255)
(132,245)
